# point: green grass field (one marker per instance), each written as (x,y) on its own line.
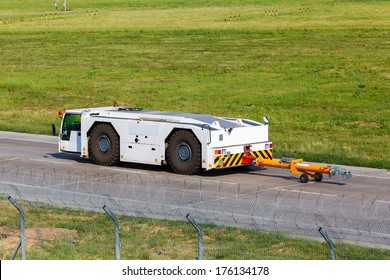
(318,69)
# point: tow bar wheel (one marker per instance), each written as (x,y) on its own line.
(318,177)
(304,178)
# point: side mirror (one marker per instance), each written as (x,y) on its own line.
(265,120)
(53,129)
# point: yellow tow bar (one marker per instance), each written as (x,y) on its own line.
(303,170)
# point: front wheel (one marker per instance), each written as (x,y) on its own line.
(184,153)
(304,178)
(104,145)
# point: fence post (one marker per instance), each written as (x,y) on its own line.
(116,231)
(21,241)
(200,237)
(329,241)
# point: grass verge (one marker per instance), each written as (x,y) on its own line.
(56,233)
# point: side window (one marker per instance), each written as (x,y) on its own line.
(70,123)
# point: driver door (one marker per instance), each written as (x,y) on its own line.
(70,137)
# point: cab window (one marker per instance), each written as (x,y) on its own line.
(71,122)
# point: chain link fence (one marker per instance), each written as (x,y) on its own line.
(220,208)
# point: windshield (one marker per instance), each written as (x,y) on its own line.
(71,122)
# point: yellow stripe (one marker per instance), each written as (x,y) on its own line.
(236,159)
(231,159)
(225,160)
(217,159)
(269,152)
(262,154)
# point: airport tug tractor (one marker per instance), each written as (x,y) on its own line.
(187,142)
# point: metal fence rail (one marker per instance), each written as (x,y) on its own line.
(360,219)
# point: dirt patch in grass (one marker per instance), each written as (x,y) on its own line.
(9,237)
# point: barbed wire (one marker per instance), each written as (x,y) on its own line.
(347,218)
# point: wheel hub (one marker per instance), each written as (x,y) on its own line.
(104,144)
(184,152)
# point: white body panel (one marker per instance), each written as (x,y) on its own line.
(144,134)
(74,143)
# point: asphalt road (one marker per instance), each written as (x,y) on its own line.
(39,150)
(357,209)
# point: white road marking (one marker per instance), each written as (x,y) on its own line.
(10,159)
(207,201)
(50,161)
(372,176)
(306,192)
(123,170)
(383,201)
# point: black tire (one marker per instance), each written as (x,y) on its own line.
(304,178)
(184,153)
(318,177)
(104,145)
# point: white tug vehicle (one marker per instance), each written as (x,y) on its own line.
(187,142)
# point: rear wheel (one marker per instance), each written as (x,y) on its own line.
(184,153)
(104,145)
(318,177)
